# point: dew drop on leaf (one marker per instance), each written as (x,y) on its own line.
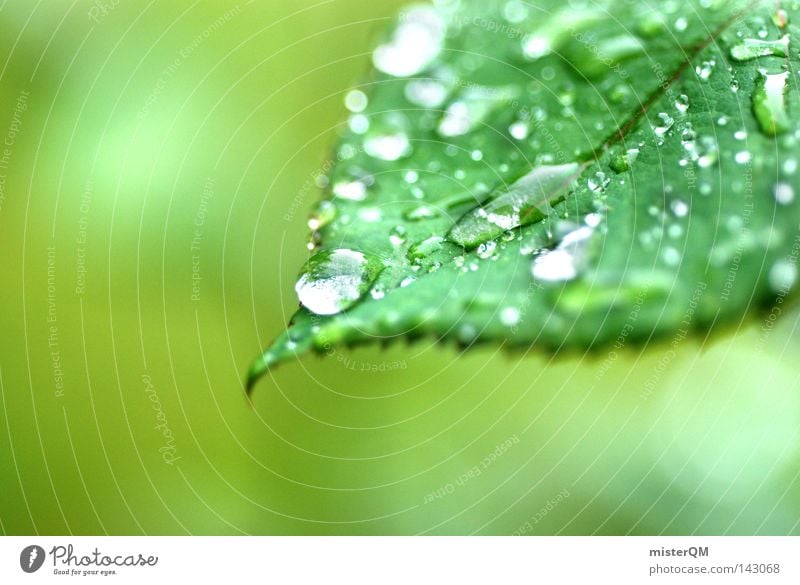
(566,260)
(334,280)
(784,193)
(783,275)
(769,104)
(754,48)
(526,201)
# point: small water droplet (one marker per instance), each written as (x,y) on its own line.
(350,190)
(422,250)
(420,213)
(705,68)
(743,157)
(671,256)
(784,193)
(665,122)
(783,275)
(334,280)
(780,18)
(519,130)
(623,162)
(397,235)
(510,316)
(598,183)
(356,101)
(359,124)
(679,208)
(487,250)
(682,103)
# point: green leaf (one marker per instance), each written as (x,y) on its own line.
(559,176)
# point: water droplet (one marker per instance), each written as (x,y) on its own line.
(671,256)
(359,124)
(754,48)
(422,250)
(334,280)
(783,275)
(526,201)
(665,122)
(416,42)
(471,108)
(420,213)
(784,193)
(324,213)
(704,69)
(557,29)
(566,260)
(769,104)
(623,162)
(356,101)
(352,190)
(681,24)
(519,130)
(397,235)
(369,214)
(682,103)
(407,281)
(743,157)
(679,208)
(388,147)
(510,316)
(598,183)
(780,18)
(427,93)
(487,250)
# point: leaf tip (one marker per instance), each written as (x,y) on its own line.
(257,370)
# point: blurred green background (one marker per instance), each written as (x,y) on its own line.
(158,167)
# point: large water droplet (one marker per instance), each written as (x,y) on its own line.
(416,42)
(334,280)
(754,48)
(769,103)
(526,201)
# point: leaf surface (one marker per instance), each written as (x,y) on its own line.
(559,176)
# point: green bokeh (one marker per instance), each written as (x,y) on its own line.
(154,141)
